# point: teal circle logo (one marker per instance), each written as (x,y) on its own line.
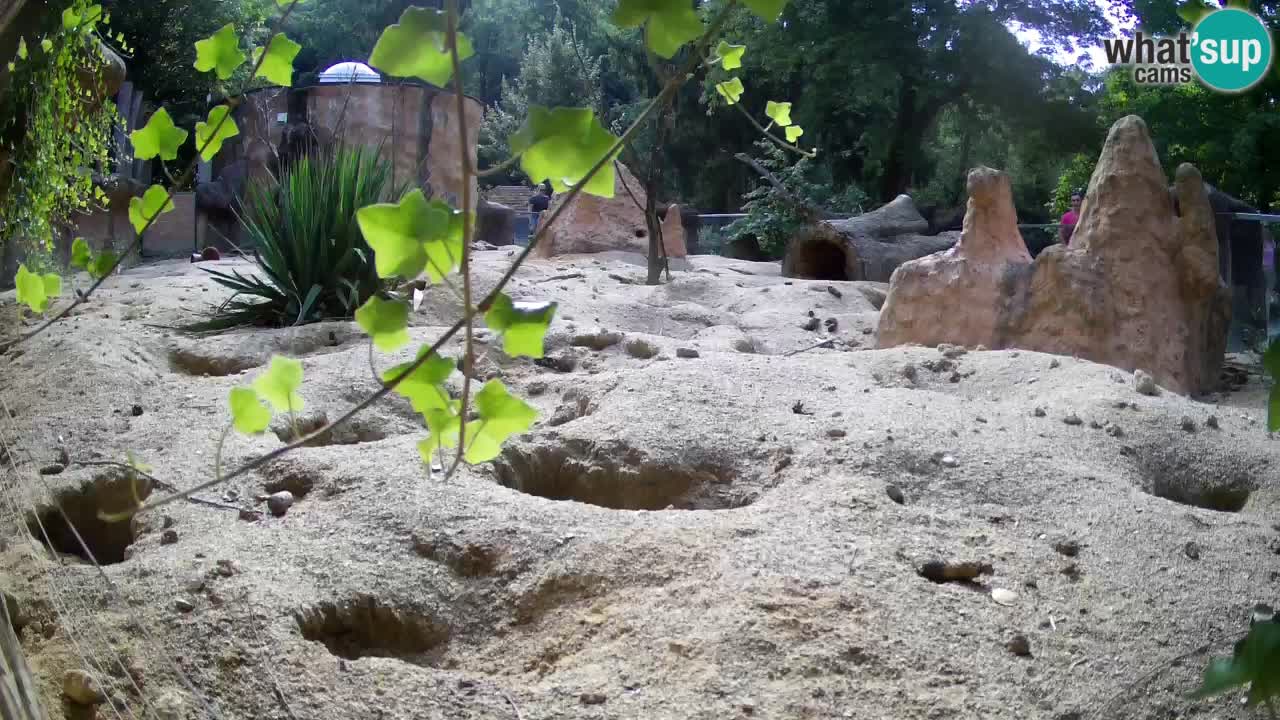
(1231,50)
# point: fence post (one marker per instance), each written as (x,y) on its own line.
(19,698)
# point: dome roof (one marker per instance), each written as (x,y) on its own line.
(345,72)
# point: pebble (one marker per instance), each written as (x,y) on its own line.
(1003,596)
(183,605)
(832,324)
(1038,412)
(1192,550)
(1073,419)
(52,469)
(227,568)
(1115,431)
(686,353)
(1054,364)
(1212,422)
(280,502)
(536,388)
(169,537)
(836,433)
(80,688)
(250,515)
(948,461)
(167,522)
(811,324)
(1187,424)
(1144,383)
(592,699)
(1019,645)
(1070,548)
(909,371)
(895,494)
(136,410)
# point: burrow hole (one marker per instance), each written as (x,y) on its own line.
(197,362)
(103,540)
(1183,476)
(819,259)
(363,626)
(617,478)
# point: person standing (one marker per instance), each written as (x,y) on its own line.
(538,204)
(1067,226)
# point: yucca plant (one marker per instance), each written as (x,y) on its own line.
(315,264)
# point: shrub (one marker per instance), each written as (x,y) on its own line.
(315,263)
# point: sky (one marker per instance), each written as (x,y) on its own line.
(1097,59)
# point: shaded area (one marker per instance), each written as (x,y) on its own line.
(818,258)
(75,512)
(363,626)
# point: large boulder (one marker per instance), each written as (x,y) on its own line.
(673,235)
(867,247)
(495,223)
(1138,287)
(594,224)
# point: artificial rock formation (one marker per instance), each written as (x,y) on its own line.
(1138,288)
(867,247)
(673,235)
(594,224)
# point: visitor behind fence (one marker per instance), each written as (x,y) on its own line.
(1068,224)
(539,204)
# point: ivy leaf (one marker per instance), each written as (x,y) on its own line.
(154,202)
(248,414)
(669,24)
(424,387)
(279,384)
(220,52)
(287,3)
(561,145)
(210,141)
(277,66)
(386,321)
(522,325)
(794,132)
(70,19)
(159,137)
(81,255)
(779,112)
(35,290)
(444,424)
(501,416)
(22,48)
(730,55)
(46,45)
(768,10)
(102,264)
(1193,11)
(412,236)
(417,46)
(1254,662)
(12,66)
(731,90)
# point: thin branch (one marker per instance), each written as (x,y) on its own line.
(776,140)
(137,242)
(500,167)
(468,357)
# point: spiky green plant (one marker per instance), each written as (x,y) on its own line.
(314,262)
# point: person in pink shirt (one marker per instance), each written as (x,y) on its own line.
(1067,226)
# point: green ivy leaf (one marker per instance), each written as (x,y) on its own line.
(779,112)
(444,426)
(1254,662)
(46,45)
(279,384)
(159,137)
(794,132)
(35,290)
(22,48)
(1194,11)
(412,236)
(220,52)
(768,10)
(424,387)
(561,146)
(669,24)
(154,202)
(81,255)
(386,321)
(70,19)
(102,264)
(731,90)
(501,416)
(287,3)
(417,46)
(730,55)
(248,414)
(523,325)
(277,66)
(211,142)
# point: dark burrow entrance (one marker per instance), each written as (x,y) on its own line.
(817,258)
(103,540)
(1197,476)
(618,478)
(363,626)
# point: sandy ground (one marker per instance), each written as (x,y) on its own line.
(678,537)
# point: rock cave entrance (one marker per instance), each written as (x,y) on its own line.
(617,480)
(817,258)
(73,517)
(364,626)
